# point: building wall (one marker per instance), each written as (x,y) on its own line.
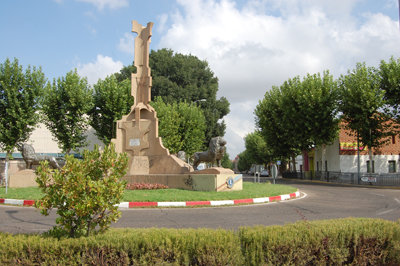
(42,141)
(331,155)
(349,163)
(342,154)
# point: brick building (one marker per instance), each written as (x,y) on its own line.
(341,156)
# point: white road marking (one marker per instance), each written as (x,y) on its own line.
(385,212)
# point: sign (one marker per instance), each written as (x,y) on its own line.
(134,142)
(349,146)
(368,179)
(278,162)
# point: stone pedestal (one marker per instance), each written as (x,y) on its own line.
(24,178)
(212,179)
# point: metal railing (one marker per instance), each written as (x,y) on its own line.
(386,179)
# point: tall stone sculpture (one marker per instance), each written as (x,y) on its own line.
(137,132)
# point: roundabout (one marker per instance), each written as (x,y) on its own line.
(317,202)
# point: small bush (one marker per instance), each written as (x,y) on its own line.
(145,186)
(85,192)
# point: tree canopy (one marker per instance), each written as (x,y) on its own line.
(186,78)
(181,126)
(111,100)
(361,103)
(20,94)
(66,104)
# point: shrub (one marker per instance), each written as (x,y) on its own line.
(145,186)
(330,242)
(85,192)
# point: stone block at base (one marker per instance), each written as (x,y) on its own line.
(24,178)
(212,179)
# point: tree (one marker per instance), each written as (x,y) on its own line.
(244,162)
(360,103)
(390,84)
(299,115)
(279,121)
(20,94)
(257,148)
(85,192)
(66,103)
(181,126)
(180,78)
(226,162)
(111,100)
(318,100)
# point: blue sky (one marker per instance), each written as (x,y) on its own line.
(250,45)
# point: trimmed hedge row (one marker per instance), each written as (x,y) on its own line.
(342,241)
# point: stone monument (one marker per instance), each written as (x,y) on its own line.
(137,132)
(137,135)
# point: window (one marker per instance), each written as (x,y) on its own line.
(392,166)
(369,170)
(393,139)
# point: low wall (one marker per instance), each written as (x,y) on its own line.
(198,182)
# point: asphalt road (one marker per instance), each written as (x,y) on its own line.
(319,201)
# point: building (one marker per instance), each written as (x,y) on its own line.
(341,156)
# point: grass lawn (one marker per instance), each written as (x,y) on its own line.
(250,190)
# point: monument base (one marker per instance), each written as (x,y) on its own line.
(24,178)
(211,179)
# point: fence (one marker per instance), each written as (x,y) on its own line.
(348,178)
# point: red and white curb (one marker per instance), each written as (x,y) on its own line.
(17,202)
(178,203)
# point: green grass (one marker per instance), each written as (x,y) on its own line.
(250,190)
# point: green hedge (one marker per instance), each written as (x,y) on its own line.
(342,241)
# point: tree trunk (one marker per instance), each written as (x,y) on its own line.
(294,162)
(6,164)
(323,166)
(370,159)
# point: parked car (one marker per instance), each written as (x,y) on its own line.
(264,173)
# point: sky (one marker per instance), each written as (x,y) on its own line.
(250,45)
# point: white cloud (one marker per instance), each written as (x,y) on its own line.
(126,43)
(101,68)
(101,4)
(268,41)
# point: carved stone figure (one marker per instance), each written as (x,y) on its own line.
(31,158)
(181,155)
(215,153)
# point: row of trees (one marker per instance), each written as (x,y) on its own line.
(184,95)
(305,113)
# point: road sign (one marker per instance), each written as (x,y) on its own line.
(278,162)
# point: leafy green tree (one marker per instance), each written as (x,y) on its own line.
(278,121)
(84,192)
(180,78)
(257,148)
(66,103)
(20,94)
(244,162)
(181,126)
(318,102)
(299,115)
(360,103)
(226,162)
(112,100)
(390,83)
